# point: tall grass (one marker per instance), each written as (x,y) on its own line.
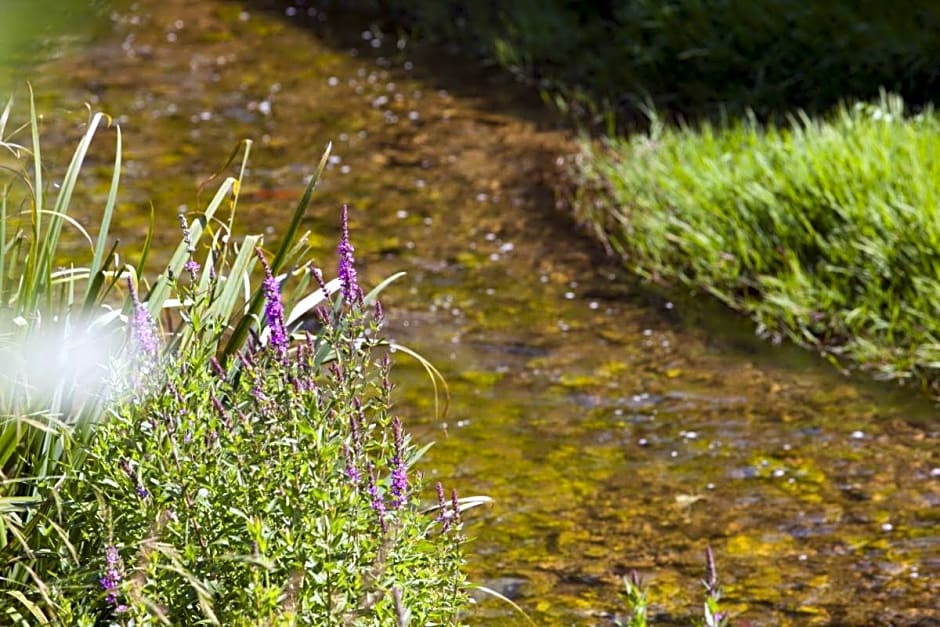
(41,317)
(824,231)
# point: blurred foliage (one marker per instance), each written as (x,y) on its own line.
(694,58)
(34,30)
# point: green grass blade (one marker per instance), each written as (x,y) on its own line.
(40,281)
(148,240)
(224,306)
(30,606)
(433,374)
(30,272)
(3,240)
(373,295)
(5,116)
(503,598)
(37,164)
(96,283)
(299,212)
(98,260)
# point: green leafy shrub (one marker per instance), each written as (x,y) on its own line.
(274,489)
(825,231)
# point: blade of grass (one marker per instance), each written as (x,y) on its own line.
(373,294)
(37,163)
(4,195)
(501,597)
(148,240)
(49,243)
(299,213)
(433,374)
(97,280)
(97,261)
(5,116)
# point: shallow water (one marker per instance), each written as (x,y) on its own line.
(617,428)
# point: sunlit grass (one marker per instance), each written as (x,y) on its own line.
(824,231)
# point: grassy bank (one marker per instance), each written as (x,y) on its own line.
(824,231)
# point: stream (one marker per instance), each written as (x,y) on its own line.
(617,426)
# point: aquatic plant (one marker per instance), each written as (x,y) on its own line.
(824,231)
(637,602)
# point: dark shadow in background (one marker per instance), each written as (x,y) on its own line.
(690,59)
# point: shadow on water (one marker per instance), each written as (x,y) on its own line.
(616,427)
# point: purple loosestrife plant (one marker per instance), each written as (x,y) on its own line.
(273,309)
(377,503)
(443,516)
(354,429)
(111,580)
(399,468)
(714,617)
(351,471)
(142,326)
(455,505)
(192,267)
(282,430)
(347,263)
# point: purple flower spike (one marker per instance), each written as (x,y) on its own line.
(455,504)
(354,432)
(273,309)
(443,516)
(111,580)
(347,263)
(142,332)
(399,468)
(711,573)
(352,473)
(378,505)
